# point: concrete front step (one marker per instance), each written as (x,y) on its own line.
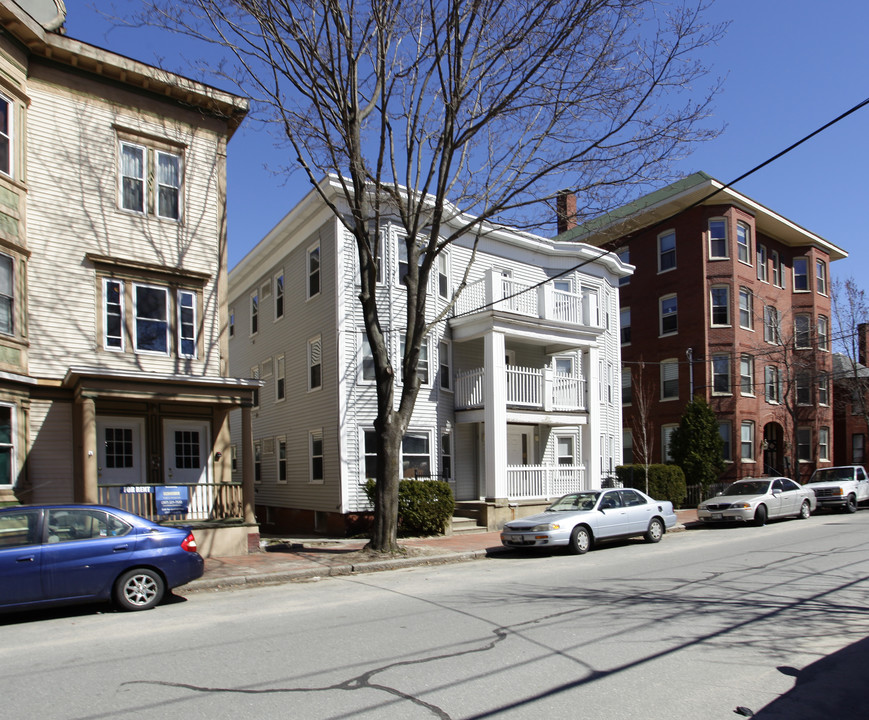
(466,526)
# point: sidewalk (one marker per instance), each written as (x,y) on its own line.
(286,560)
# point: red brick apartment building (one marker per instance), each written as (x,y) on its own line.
(729,301)
(851,395)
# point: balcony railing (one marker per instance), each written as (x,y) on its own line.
(525,482)
(206,501)
(495,292)
(535,388)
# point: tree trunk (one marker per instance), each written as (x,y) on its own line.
(384,531)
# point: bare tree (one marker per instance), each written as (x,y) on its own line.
(850,315)
(642,399)
(448,114)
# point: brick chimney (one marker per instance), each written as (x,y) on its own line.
(565,210)
(862,342)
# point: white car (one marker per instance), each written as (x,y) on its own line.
(757,500)
(840,488)
(580,519)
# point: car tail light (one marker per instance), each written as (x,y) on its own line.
(189,543)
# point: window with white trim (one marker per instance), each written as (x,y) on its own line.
(422,366)
(669,380)
(804,444)
(151,315)
(6,154)
(187,323)
(315,449)
(746,375)
(151,180)
(718,239)
(720,305)
(772,384)
(133,177)
(762,267)
(625,325)
(366,361)
(279,295)
(113,314)
(721,374)
(7,445)
(369,447)
(168,185)
(804,388)
(669,316)
(314,271)
(743,243)
(801,274)
(565,450)
(746,309)
(771,325)
(281,458)
(415,454)
(778,277)
(254,312)
(446,456)
(746,440)
(823,443)
(724,433)
(443,276)
(315,363)
(823,389)
(823,333)
(667,251)
(802,332)
(280,378)
(445,365)
(821,277)
(254,374)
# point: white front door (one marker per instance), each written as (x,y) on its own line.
(120,451)
(520,445)
(186,447)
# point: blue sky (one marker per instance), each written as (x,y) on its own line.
(788,68)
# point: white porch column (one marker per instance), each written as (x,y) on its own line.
(495,415)
(594,419)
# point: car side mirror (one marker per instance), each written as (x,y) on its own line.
(776,491)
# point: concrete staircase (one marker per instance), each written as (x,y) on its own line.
(466,526)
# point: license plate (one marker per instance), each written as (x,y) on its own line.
(716,516)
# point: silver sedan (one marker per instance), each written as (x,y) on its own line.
(757,500)
(578,520)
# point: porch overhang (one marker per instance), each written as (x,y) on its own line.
(556,336)
(525,417)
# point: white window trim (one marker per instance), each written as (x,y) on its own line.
(419,431)
(310,364)
(807,319)
(363,344)
(726,358)
(230,319)
(747,246)
(712,306)
(144,178)
(13,444)
(823,337)
(778,276)
(750,425)
(179,328)
(164,290)
(10,135)
(821,278)
(253,315)
(280,375)
(281,439)
(315,247)
(571,436)
(709,222)
(661,236)
(808,287)
(762,263)
(447,347)
(312,434)
(750,376)
(823,446)
(800,431)
(279,296)
(443,257)
(746,291)
(179,188)
(122,295)
(667,363)
(363,429)
(661,300)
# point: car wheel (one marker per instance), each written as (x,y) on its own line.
(580,540)
(655,531)
(851,504)
(805,510)
(760,515)
(139,589)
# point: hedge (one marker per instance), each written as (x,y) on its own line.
(666,482)
(425,507)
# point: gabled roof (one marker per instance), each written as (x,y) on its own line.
(696,189)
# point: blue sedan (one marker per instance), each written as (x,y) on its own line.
(68,554)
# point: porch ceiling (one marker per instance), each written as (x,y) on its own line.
(554,335)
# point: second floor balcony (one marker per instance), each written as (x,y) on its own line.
(529,388)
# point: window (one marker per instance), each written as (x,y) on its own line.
(718,239)
(446,456)
(823,389)
(669,380)
(313,271)
(151,311)
(823,443)
(823,333)
(231,322)
(168,185)
(721,374)
(445,365)
(443,276)
(771,325)
(746,440)
(367,359)
(7,445)
(609,383)
(858,445)
(565,450)
(7,294)
(281,442)
(279,295)
(667,251)
(422,367)
(280,378)
(627,388)
(625,325)
(254,374)
(6,107)
(746,375)
(802,332)
(762,268)
(804,444)
(724,432)
(415,455)
(315,367)
(133,177)
(720,304)
(772,384)
(801,274)
(625,257)
(369,441)
(254,312)
(746,308)
(743,243)
(669,315)
(627,447)
(315,446)
(666,435)
(804,388)
(821,276)
(777,276)
(113,315)
(187,324)
(258,461)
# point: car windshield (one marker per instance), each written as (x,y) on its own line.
(831,474)
(574,501)
(751,487)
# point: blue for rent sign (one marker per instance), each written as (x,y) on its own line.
(171,500)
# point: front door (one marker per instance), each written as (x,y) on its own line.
(120,458)
(186,450)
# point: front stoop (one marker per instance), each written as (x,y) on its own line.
(465,526)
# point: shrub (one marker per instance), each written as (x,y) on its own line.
(425,507)
(666,482)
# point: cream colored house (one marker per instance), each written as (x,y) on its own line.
(520,397)
(113,317)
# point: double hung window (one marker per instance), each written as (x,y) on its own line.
(743,243)
(7,445)
(415,455)
(746,375)
(762,268)
(667,251)
(720,304)
(6,107)
(151,319)
(821,276)
(313,271)
(721,374)
(669,380)
(746,309)
(315,363)
(718,239)
(801,274)
(151,180)
(669,318)
(746,440)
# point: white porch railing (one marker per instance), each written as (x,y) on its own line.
(544,481)
(495,292)
(537,388)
